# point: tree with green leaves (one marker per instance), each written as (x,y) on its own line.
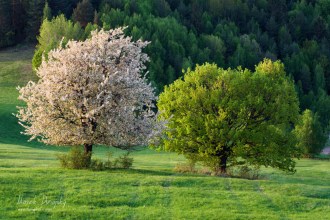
(311,137)
(228,117)
(216,46)
(52,32)
(247,54)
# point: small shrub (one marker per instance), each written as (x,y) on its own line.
(188,167)
(124,161)
(37,59)
(205,171)
(109,164)
(75,159)
(97,165)
(244,171)
(63,158)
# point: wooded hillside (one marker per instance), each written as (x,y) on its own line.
(183,33)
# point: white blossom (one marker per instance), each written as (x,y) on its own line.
(91,92)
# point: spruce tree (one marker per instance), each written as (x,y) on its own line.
(18,19)
(96,19)
(83,13)
(47,12)
(34,18)
(5,24)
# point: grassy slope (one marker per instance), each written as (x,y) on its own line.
(15,70)
(149,191)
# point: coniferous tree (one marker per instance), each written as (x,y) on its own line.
(6,32)
(319,80)
(96,19)
(35,17)
(83,13)
(18,19)
(63,6)
(47,12)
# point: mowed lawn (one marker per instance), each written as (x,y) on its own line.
(33,186)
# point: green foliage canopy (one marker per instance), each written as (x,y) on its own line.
(310,134)
(55,31)
(228,117)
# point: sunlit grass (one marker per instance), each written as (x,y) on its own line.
(152,190)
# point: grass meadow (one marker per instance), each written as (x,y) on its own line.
(33,186)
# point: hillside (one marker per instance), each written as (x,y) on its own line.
(15,70)
(32,186)
(185,33)
(182,35)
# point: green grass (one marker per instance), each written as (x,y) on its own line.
(151,190)
(33,186)
(15,70)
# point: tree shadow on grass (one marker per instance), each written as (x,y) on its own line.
(149,172)
(168,173)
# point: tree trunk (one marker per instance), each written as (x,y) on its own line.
(223,164)
(88,150)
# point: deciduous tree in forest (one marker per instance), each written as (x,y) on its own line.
(52,33)
(310,134)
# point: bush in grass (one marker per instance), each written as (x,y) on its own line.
(124,161)
(97,165)
(76,158)
(244,171)
(109,164)
(205,171)
(238,171)
(188,167)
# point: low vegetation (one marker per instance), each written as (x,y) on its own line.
(76,158)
